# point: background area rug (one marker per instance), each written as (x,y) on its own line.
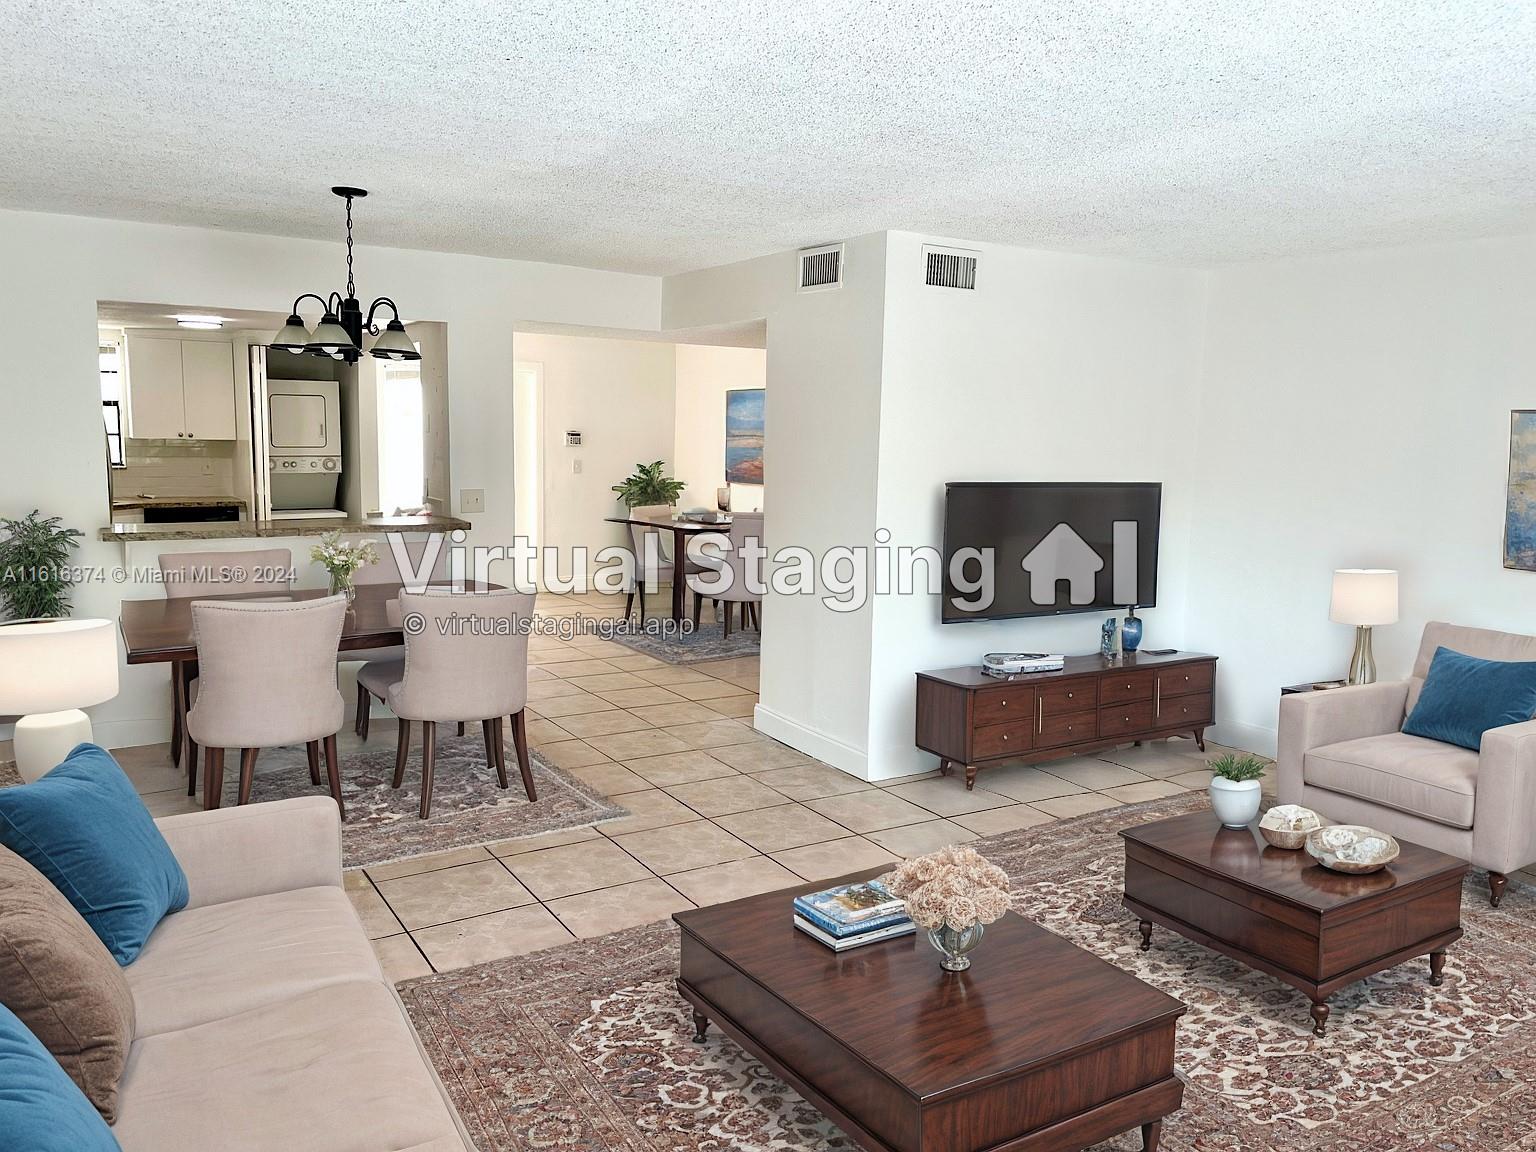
(468,806)
(708,643)
(588,1046)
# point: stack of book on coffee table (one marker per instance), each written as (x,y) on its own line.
(851,915)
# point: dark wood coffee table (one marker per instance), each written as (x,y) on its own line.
(1039,1047)
(1283,913)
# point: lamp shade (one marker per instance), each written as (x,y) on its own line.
(1364,596)
(394,344)
(294,337)
(330,337)
(55,665)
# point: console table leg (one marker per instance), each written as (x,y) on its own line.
(1200,739)
(970,777)
(945,766)
(1146,935)
(1436,967)
(1319,1017)
(1151,1134)
(700,1026)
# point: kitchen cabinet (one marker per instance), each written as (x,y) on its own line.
(180,389)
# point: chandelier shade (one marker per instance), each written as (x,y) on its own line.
(294,337)
(394,344)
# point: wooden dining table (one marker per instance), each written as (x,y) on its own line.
(681,530)
(159,631)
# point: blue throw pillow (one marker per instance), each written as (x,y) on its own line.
(1463,697)
(41,1108)
(85,828)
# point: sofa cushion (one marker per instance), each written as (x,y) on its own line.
(63,983)
(209,963)
(84,827)
(333,1070)
(41,1109)
(1409,773)
(1464,696)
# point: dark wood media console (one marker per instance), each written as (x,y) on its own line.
(965,717)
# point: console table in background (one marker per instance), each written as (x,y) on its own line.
(965,717)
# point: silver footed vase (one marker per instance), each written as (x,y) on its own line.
(955,945)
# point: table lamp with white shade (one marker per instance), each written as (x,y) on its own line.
(49,670)
(1363,597)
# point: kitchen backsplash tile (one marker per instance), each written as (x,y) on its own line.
(175,468)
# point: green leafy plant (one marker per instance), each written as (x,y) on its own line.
(1238,768)
(35,578)
(649,486)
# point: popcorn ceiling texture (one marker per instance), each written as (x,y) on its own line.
(659,137)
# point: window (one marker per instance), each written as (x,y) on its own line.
(401,433)
(108,361)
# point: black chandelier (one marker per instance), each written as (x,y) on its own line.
(339,334)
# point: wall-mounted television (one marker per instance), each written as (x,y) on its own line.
(1054,548)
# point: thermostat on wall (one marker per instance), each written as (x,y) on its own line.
(573,439)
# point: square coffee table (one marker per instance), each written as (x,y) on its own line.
(1038,1047)
(1282,912)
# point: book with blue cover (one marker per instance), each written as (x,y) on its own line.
(852,909)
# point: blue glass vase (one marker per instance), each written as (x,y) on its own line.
(1130,632)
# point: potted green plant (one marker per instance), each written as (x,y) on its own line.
(1235,788)
(35,577)
(648,488)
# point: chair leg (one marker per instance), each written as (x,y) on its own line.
(498,734)
(727,619)
(461,727)
(402,748)
(1496,884)
(213,778)
(698,602)
(333,773)
(312,750)
(428,763)
(629,605)
(520,739)
(364,707)
(247,772)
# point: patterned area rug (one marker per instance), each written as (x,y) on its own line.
(708,643)
(468,806)
(588,1046)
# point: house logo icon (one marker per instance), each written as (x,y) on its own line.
(1064,555)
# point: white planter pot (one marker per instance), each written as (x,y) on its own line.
(1235,803)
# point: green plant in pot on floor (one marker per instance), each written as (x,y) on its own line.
(34,566)
(1235,788)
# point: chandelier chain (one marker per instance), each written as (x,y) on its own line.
(351,288)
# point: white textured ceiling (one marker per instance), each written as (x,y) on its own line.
(658,137)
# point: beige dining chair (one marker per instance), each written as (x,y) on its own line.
(746,582)
(188,574)
(468,660)
(649,575)
(387,571)
(267,679)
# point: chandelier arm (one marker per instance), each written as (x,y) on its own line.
(310,296)
(374,307)
(334,302)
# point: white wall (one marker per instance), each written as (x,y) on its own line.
(57,267)
(621,396)
(704,375)
(1356,414)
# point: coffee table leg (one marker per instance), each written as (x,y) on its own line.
(1436,967)
(700,1026)
(1319,1017)
(1150,1135)
(1146,935)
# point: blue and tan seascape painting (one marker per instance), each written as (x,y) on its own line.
(744,436)
(1520,511)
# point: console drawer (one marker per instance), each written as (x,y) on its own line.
(1185,681)
(1119,719)
(1115,687)
(1071,728)
(996,740)
(1061,699)
(1003,704)
(1183,711)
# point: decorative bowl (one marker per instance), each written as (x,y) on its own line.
(1352,848)
(1288,825)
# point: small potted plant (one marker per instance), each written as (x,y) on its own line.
(953,893)
(35,577)
(1235,788)
(647,490)
(341,560)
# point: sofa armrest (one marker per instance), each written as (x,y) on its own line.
(1312,719)
(257,849)
(1503,832)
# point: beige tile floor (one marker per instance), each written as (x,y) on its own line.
(718,810)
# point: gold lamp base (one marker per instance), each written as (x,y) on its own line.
(1362,665)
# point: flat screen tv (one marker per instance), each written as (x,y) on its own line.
(1054,548)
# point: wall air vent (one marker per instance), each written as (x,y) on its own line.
(949,267)
(821,268)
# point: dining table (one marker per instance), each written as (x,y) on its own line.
(681,529)
(158,630)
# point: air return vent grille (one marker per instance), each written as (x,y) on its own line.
(949,267)
(821,268)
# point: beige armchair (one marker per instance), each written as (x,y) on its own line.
(1342,752)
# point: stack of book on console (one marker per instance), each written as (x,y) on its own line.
(851,915)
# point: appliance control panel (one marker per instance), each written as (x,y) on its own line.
(291,464)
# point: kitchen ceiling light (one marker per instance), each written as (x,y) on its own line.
(201,323)
(340,331)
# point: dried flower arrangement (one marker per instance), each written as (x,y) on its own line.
(953,886)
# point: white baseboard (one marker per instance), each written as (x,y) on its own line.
(1246,737)
(131,733)
(828,749)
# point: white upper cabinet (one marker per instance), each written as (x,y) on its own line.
(180,389)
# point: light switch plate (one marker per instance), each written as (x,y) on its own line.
(576,466)
(471,499)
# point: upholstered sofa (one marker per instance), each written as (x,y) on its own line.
(1342,753)
(263,1019)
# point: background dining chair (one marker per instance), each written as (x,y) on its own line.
(267,679)
(449,673)
(746,572)
(387,571)
(651,574)
(188,574)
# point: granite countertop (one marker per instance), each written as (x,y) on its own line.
(177,502)
(255,529)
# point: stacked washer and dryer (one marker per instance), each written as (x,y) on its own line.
(304,448)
